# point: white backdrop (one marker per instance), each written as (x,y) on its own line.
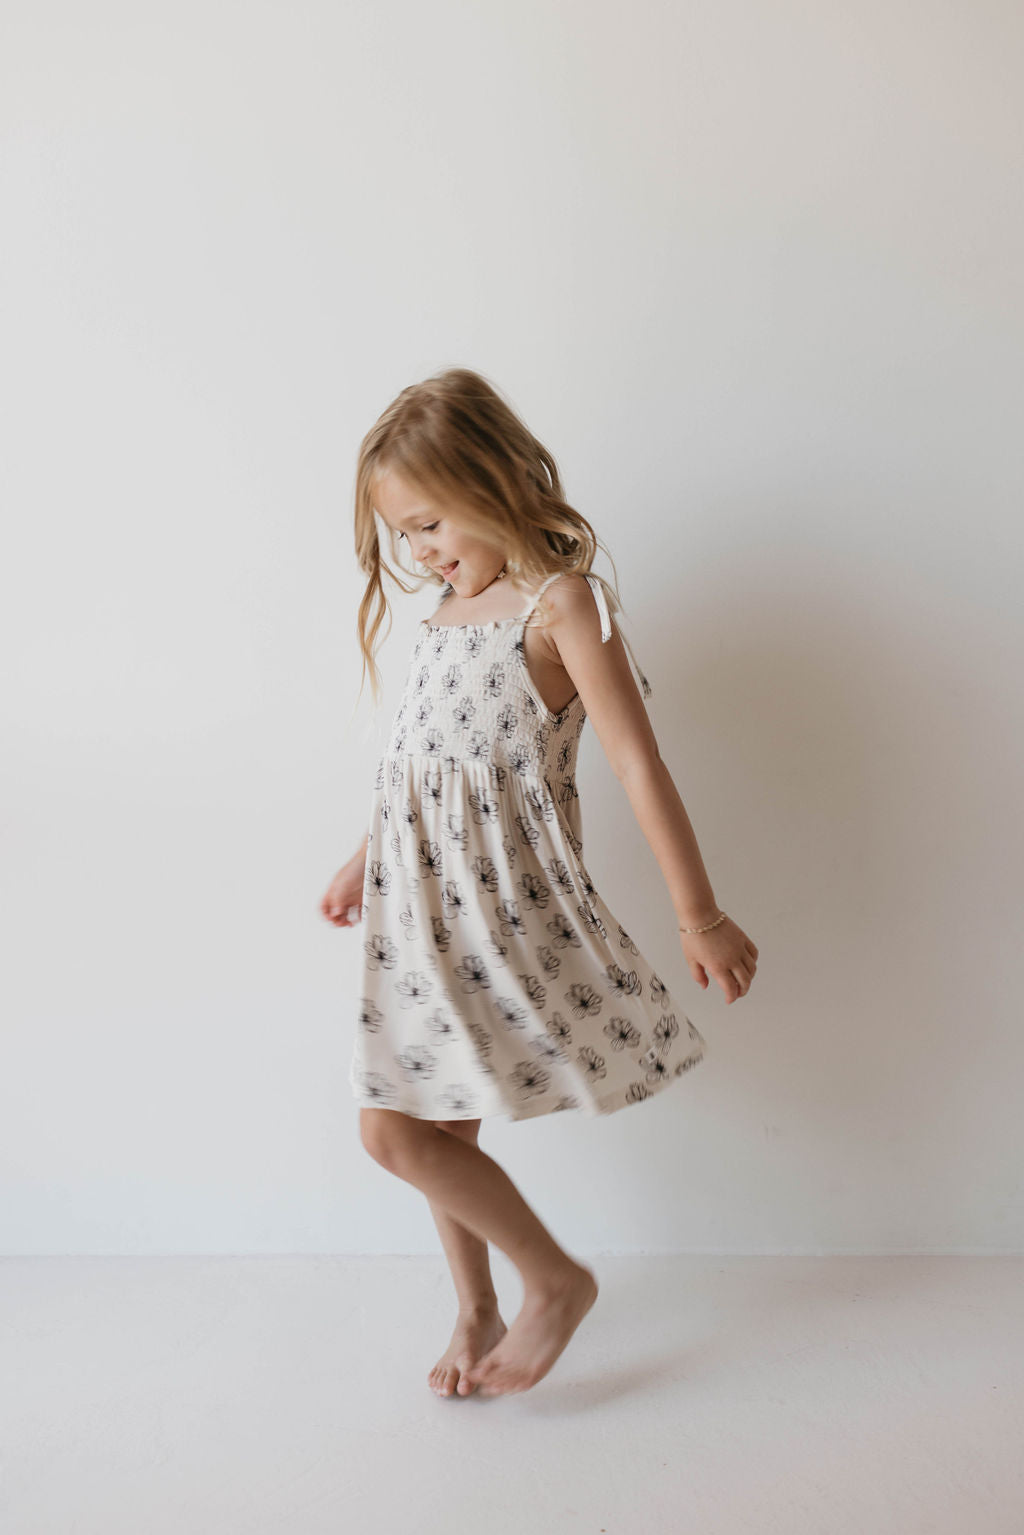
(752,272)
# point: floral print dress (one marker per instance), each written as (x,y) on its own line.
(495,979)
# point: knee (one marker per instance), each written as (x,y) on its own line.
(389,1136)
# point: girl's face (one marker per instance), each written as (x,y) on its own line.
(434,539)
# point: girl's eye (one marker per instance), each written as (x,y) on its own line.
(428,529)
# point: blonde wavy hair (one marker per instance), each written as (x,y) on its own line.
(457,440)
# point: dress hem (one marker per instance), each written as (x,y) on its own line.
(595,1108)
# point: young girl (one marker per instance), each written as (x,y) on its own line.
(495,979)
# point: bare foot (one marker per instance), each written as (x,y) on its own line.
(473,1336)
(538,1335)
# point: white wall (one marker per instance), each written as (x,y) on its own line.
(752,271)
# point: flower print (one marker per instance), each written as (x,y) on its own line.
(459,1101)
(531,706)
(511,851)
(441,934)
(622,1033)
(396,848)
(432,785)
(474,643)
(564,753)
(494,680)
(559,875)
(592,1063)
(430,857)
(414,987)
(657,1073)
(534,990)
(529,834)
(381,953)
(463,712)
(587,884)
(451,765)
(567,1102)
(370,1016)
(385,813)
(583,1000)
(665,1031)
(535,893)
(486,874)
(509,919)
(377,1090)
(591,920)
(549,961)
(548,1049)
(417,1063)
(451,679)
(407,920)
(529,1079)
(472,972)
(625,942)
(559,1030)
(540,805)
(507,721)
(540,736)
(510,1014)
(484,807)
(453,900)
(396,773)
(498,776)
(691,1060)
(378,877)
(636,1092)
(479,747)
(456,833)
(579,725)
(520,760)
(378,782)
(480,1037)
(410,815)
(562,932)
(659,994)
(432,741)
(424,709)
(495,947)
(422,678)
(566,791)
(622,983)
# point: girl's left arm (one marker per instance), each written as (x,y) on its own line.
(612,700)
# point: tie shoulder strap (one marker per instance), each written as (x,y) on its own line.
(597,586)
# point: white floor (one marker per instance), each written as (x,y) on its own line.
(712,1395)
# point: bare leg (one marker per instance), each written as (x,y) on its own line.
(469,1186)
(478,1326)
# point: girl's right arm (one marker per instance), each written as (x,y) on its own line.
(342,903)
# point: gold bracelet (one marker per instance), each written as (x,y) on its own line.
(707,929)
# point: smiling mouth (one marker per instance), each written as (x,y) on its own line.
(446,570)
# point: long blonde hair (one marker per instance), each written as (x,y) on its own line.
(456,439)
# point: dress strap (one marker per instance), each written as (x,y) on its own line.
(542,588)
(597,588)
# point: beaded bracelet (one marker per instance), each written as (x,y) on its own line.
(707,929)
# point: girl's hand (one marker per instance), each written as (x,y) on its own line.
(343,903)
(725,954)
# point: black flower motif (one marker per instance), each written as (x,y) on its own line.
(381,953)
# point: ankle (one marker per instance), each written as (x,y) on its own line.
(481,1310)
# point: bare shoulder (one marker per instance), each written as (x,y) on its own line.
(567,606)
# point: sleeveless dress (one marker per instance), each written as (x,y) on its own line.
(495,979)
